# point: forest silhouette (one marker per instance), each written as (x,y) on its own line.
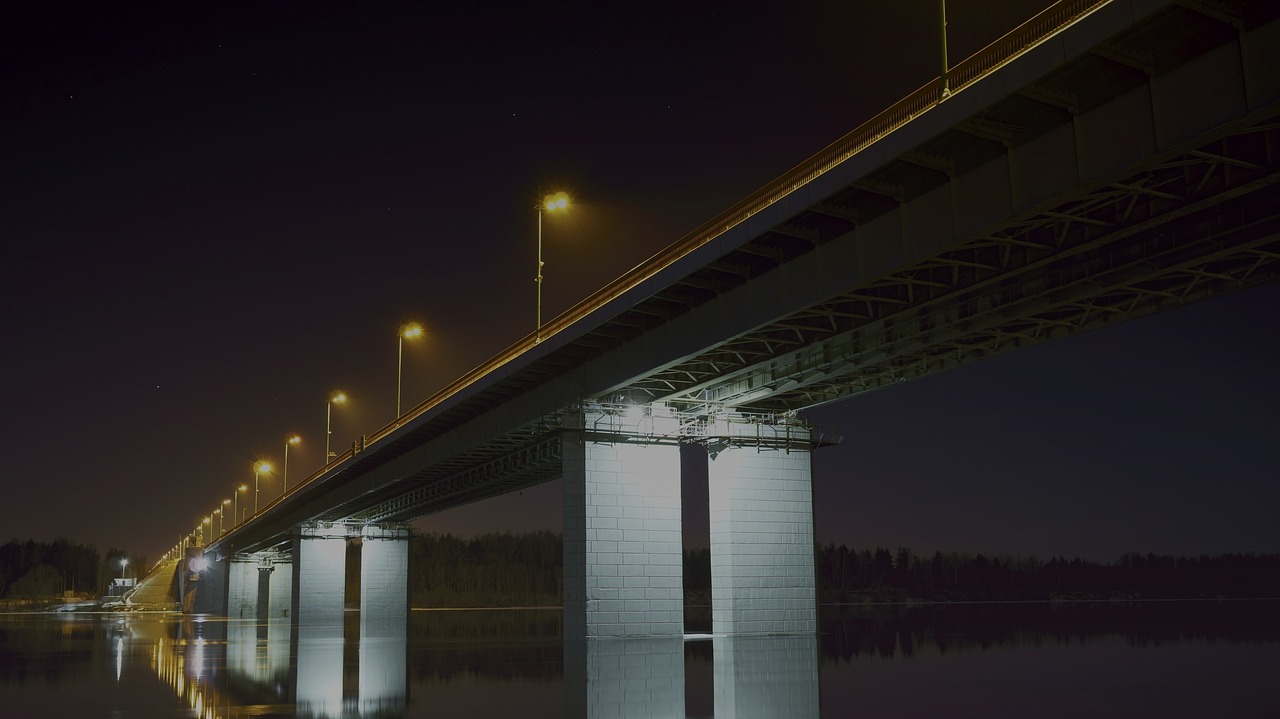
(506,569)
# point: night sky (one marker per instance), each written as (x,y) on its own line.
(213,215)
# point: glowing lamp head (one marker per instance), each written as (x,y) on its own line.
(124,562)
(413,330)
(338,397)
(558,201)
(262,467)
(198,564)
(242,488)
(294,439)
(226,501)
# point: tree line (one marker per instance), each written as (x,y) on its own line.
(505,569)
(845,575)
(34,570)
(495,569)
(513,569)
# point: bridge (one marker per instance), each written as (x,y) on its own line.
(1105,160)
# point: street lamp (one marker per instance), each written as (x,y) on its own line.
(411,331)
(259,469)
(124,562)
(293,439)
(335,398)
(223,518)
(550,203)
(236,505)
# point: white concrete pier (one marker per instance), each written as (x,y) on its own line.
(623,562)
(761,505)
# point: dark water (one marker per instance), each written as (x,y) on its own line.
(1168,659)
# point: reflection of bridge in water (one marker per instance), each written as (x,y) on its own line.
(1107,159)
(222,668)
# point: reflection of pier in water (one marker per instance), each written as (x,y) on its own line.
(222,668)
(754,677)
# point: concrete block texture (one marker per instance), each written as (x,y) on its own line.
(384,575)
(319,579)
(622,534)
(761,507)
(765,677)
(242,586)
(280,593)
(618,677)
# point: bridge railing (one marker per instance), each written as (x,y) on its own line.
(968,71)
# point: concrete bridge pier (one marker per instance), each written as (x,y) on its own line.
(623,568)
(259,585)
(280,588)
(242,586)
(761,505)
(319,575)
(384,619)
(384,575)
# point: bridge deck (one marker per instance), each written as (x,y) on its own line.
(1103,161)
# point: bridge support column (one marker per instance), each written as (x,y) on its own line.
(623,561)
(384,618)
(319,576)
(280,590)
(242,586)
(384,574)
(761,504)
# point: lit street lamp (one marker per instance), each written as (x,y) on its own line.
(259,469)
(411,331)
(124,562)
(293,439)
(223,523)
(236,505)
(550,203)
(335,398)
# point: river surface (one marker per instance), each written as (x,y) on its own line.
(1164,659)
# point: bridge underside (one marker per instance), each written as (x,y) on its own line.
(1052,197)
(1124,163)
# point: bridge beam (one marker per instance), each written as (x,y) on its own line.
(761,504)
(623,553)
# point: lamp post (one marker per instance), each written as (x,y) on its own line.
(946,82)
(124,562)
(293,439)
(410,331)
(335,398)
(223,524)
(259,469)
(218,512)
(550,203)
(236,505)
